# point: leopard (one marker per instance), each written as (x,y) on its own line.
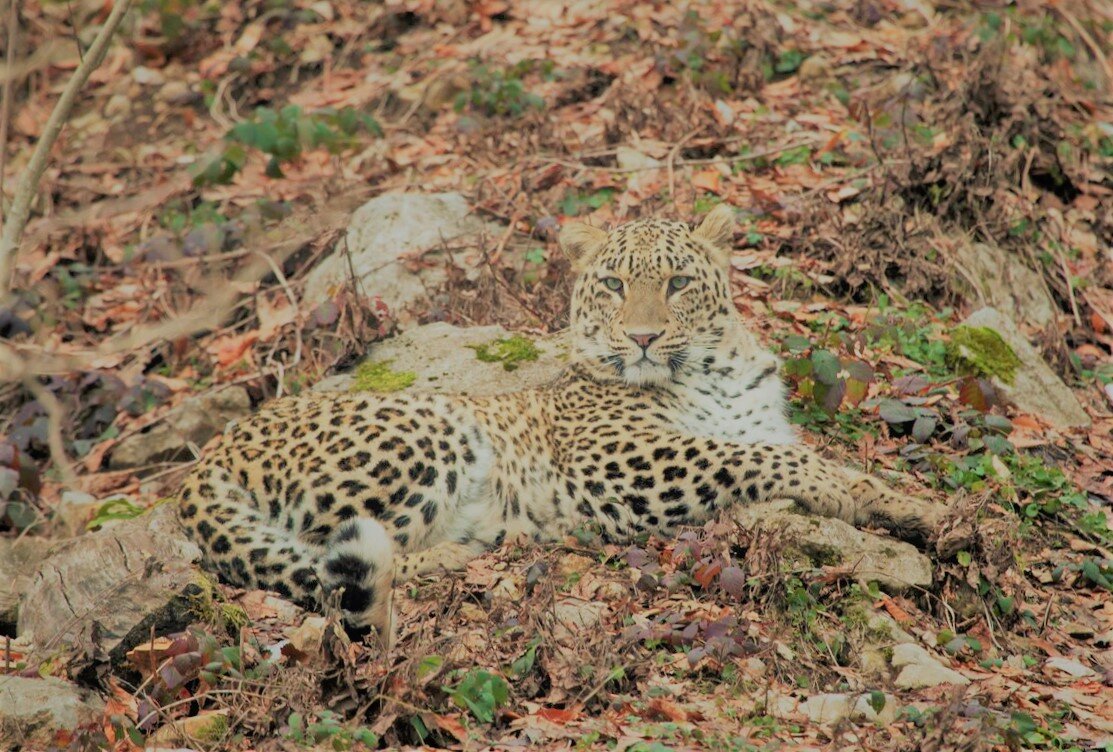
(668,410)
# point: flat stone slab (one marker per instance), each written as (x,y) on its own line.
(893,564)
(442,358)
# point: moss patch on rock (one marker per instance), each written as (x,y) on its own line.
(981,351)
(380,377)
(510,351)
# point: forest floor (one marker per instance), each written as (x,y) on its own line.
(876,152)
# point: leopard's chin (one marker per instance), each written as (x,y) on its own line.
(647,373)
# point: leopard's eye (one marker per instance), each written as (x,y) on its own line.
(676,284)
(613,283)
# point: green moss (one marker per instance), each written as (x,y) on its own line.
(212,731)
(981,351)
(379,377)
(510,351)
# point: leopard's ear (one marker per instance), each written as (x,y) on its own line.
(717,232)
(580,242)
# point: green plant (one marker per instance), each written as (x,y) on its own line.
(496,92)
(481,693)
(283,135)
(328,730)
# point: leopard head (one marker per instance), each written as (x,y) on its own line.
(651,297)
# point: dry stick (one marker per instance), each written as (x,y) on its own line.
(6,106)
(55,415)
(32,174)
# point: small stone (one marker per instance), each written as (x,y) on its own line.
(118,105)
(864,709)
(175,92)
(755,667)
(919,676)
(574,617)
(920,669)
(632,159)
(74,511)
(205,728)
(1069,667)
(309,635)
(826,708)
(147,76)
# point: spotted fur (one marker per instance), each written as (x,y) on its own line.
(669,410)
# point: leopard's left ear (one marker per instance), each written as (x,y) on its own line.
(717,231)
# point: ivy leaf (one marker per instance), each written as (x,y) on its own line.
(893,411)
(923,428)
(978,393)
(856,391)
(733,581)
(826,367)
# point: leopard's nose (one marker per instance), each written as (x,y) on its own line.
(644,340)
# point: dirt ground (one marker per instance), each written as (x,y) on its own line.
(216,157)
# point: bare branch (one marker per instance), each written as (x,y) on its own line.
(29,181)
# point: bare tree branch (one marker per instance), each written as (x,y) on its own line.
(29,181)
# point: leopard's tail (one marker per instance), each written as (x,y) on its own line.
(251,549)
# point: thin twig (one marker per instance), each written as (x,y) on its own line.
(55,416)
(29,181)
(6,105)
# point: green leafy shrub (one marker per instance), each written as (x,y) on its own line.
(284,135)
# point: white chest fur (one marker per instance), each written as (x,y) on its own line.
(737,396)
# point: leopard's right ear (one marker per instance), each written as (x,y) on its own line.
(580,242)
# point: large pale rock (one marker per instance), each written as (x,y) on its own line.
(191,424)
(1001,280)
(18,559)
(34,711)
(441,358)
(893,564)
(1036,389)
(920,669)
(102,593)
(829,709)
(398,245)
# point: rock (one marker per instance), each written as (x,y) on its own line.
(441,359)
(118,106)
(920,669)
(426,230)
(1001,280)
(184,428)
(632,159)
(206,728)
(829,709)
(176,92)
(882,632)
(104,592)
(1069,667)
(18,559)
(32,711)
(893,564)
(73,512)
(864,709)
(309,636)
(147,76)
(826,708)
(574,617)
(1035,388)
